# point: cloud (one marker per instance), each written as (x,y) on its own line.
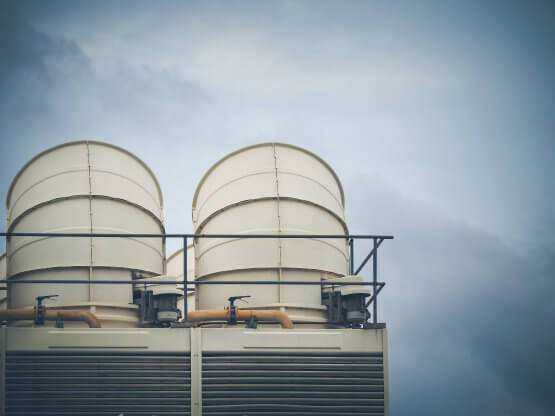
(33,62)
(469,316)
(51,93)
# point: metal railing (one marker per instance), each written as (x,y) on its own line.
(372,255)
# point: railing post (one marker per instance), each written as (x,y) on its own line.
(185,289)
(375,280)
(351,256)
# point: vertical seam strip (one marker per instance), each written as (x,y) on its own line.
(195,349)
(280,249)
(90,222)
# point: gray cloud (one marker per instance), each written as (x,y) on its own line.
(52,93)
(469,316)
(37,71)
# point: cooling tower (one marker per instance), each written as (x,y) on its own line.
(269,188)
(174,267)
(84,187)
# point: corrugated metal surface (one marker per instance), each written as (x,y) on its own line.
(93,383)
(258,383)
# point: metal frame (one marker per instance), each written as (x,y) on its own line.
(373,254)
(3,342)
(196,370)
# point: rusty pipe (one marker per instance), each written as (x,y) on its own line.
(51,315)
(265,314)
(241,314)
(73,315)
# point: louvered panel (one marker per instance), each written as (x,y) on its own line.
(97,384)
(280,384)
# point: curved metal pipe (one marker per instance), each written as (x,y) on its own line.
(74,315)
(266,314)
(51,315)
(241,314)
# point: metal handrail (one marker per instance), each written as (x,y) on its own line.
(373,254)
(190,282)
(127,235)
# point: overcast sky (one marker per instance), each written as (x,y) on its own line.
(437,116)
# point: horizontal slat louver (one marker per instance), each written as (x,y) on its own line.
(99,383)
(288,384)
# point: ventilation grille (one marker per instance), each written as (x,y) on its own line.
(97,384)
(252,384)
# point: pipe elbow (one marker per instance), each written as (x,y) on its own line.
(51,315)
(205,315)
(74,315)
(267,314)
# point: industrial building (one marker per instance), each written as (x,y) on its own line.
(262,312)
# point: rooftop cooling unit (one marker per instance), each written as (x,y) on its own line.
(140,359)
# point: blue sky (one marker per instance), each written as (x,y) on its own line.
(438,117)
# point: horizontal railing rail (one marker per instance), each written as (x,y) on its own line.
(137,235)
(373,254)
(189,282)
